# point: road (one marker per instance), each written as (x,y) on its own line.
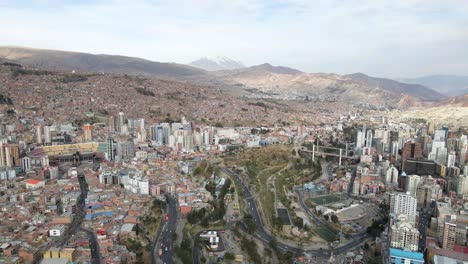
(74,226)
(164,241)
(265,236)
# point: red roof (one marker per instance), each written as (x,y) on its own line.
(33,181)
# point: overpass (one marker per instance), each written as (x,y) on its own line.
(327,151)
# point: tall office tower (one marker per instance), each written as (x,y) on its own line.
(88,132)
(120,122)
(391,176)
(427,192)
(359,141)
(462,185)
(153,132)
(125,149)
(131,125)
(166,133)
(111,125)
(369,138)
(412,185)
(404,235)
(39,134)
(450,232)
(394,135)
(451,158)
(411,150)
(403,204)
(461,159)
(440,135)
(9,155)
(140,124)
(160,134)
(430,128)
(47,135)
(110,149)
(441,156)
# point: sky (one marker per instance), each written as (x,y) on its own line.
(388,38)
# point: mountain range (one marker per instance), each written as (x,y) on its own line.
(84,62)
(450,85)
(260,81)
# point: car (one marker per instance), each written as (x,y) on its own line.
(160,252)
(166,248)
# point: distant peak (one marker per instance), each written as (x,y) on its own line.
(216,63)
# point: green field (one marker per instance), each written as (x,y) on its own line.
(326,199)
(325,232)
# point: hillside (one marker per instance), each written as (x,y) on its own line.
(450,85)
(60,97)
(85,62)
(267,81)
(398,88)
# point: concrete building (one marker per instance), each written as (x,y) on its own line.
(391,176)
(405,204)
(88,132)
(462,185)
(404,235)
(399,256)
(449,232)
(412,183)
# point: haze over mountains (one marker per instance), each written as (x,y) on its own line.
(261,81)
(450,85)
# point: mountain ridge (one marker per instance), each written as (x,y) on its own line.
(86,62)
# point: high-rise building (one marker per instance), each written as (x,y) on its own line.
(411,150)
(369,138)
(110,149)
(47,135)
(88,132)
(9,155)
(462,185)
(359,141)
(39,134)
(111,127)
(430,128)
(404,235)
(125,149)
(120,122)
(403,204)
(451,158)
(391,176)
(462,158)
(441,156)
(412,184)
(450,231)
(427,192)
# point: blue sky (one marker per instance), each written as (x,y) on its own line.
(390,38)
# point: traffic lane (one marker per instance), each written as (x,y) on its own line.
(266,237)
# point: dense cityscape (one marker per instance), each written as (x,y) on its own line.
(335,132)
(128,191)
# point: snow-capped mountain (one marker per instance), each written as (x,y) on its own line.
(217,63)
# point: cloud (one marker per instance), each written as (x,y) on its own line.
(388,38)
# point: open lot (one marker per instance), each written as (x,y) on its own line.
(325,232)
(325,199)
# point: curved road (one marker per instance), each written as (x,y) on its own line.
(266,237)
(163,240)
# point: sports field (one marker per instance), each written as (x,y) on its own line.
(326,199)
(325,232)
